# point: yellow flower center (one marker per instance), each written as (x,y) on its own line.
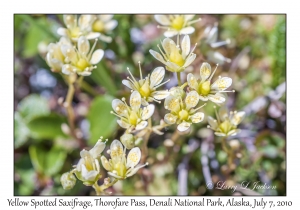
(178,23)
(133,118)
(120,168)
(82,64)
(98,26)
(88,164)
(204,88)
(145,89)
(183,114)
(75,32)
(225,126)
(176,57)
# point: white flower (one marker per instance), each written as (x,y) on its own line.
(77,28)
(183,112)
(82,59)
(205,89)
(176,24)
(175,59)
(88,167)
(104,24)
(226,124)
(119,166)
(55,58)
(147,87)
(211,36)
(133,116)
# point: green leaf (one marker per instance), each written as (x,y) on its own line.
(45,161)
(33,106)
(102,122)
(47,127)
(39,30)
(100,76)
(21,132)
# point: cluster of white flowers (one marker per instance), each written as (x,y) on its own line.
(135,117)
(72,54)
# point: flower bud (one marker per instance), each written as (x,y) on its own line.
(68,180)
(177,92)
(128,140)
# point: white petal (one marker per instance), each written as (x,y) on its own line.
(157,76)
(66,69)
(187,30)
(84,73)
(97,149)
(172,103)
(105,18)
(97,56)
(222,83)
(197,117)
(162,19)
(69,53)
(123,124)
(79,164)
(114,175)
(232,132)
(119,107)
(105,163)
(192,99)
(133,157)
(238,117)
(88,175)
(70,20)
(148,112)
(185,46)
(220,134)
(189,60)
(128,84)
(92,35)
(84,153)
(158,56)
(183,126)
(217,98)
(170,33)
(170,118)
(212,122)
(192,81)
(168,45)
(116,149)
(62,31)
(159,95)
(205,71)
(135,100)
(144,102)
(188,17)
(141,125)
(203,98)
(85,22)
(223,113)
(133,171)
(110,25)
(212,35)
(83,45)
(173,67)
(104,38)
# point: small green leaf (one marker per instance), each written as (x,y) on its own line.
(102,122)
(46,127)
(45,161)
(33,106)
(21,132)
(100,76)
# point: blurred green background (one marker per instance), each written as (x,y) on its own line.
(43,151)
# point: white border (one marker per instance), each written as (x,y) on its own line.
(153,6)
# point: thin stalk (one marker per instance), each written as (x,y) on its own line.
(178,78)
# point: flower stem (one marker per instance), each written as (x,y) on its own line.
(146,139)
(100,189)
(178,78)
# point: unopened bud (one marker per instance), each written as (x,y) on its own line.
(68,180)
(128,140)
